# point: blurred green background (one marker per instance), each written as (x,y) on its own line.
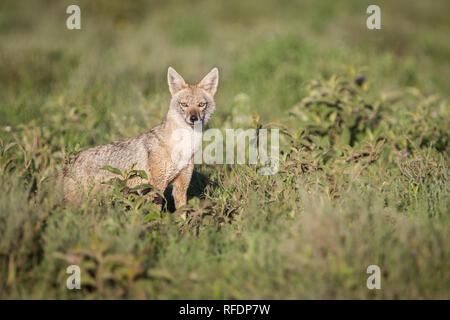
(265,49)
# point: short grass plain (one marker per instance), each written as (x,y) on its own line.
(363,177)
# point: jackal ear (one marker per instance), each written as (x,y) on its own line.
(210,81)
(176,82)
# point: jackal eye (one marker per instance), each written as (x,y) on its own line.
(202,104)
(183,104)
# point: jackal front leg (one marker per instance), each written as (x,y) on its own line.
(180,186)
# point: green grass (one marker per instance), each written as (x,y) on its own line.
(363,173)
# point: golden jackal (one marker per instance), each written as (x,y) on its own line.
(153,150)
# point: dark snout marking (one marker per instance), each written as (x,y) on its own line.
(194,114)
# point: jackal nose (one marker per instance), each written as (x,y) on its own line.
(193,118)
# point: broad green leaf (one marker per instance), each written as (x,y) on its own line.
(112,170)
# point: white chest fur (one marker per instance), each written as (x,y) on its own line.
(184,143)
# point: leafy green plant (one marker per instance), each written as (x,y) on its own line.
(137,198)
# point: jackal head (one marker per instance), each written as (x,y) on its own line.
(193,102)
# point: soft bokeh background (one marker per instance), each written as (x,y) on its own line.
(264,49)
(363,174)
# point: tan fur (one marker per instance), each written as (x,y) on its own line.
(151,151)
